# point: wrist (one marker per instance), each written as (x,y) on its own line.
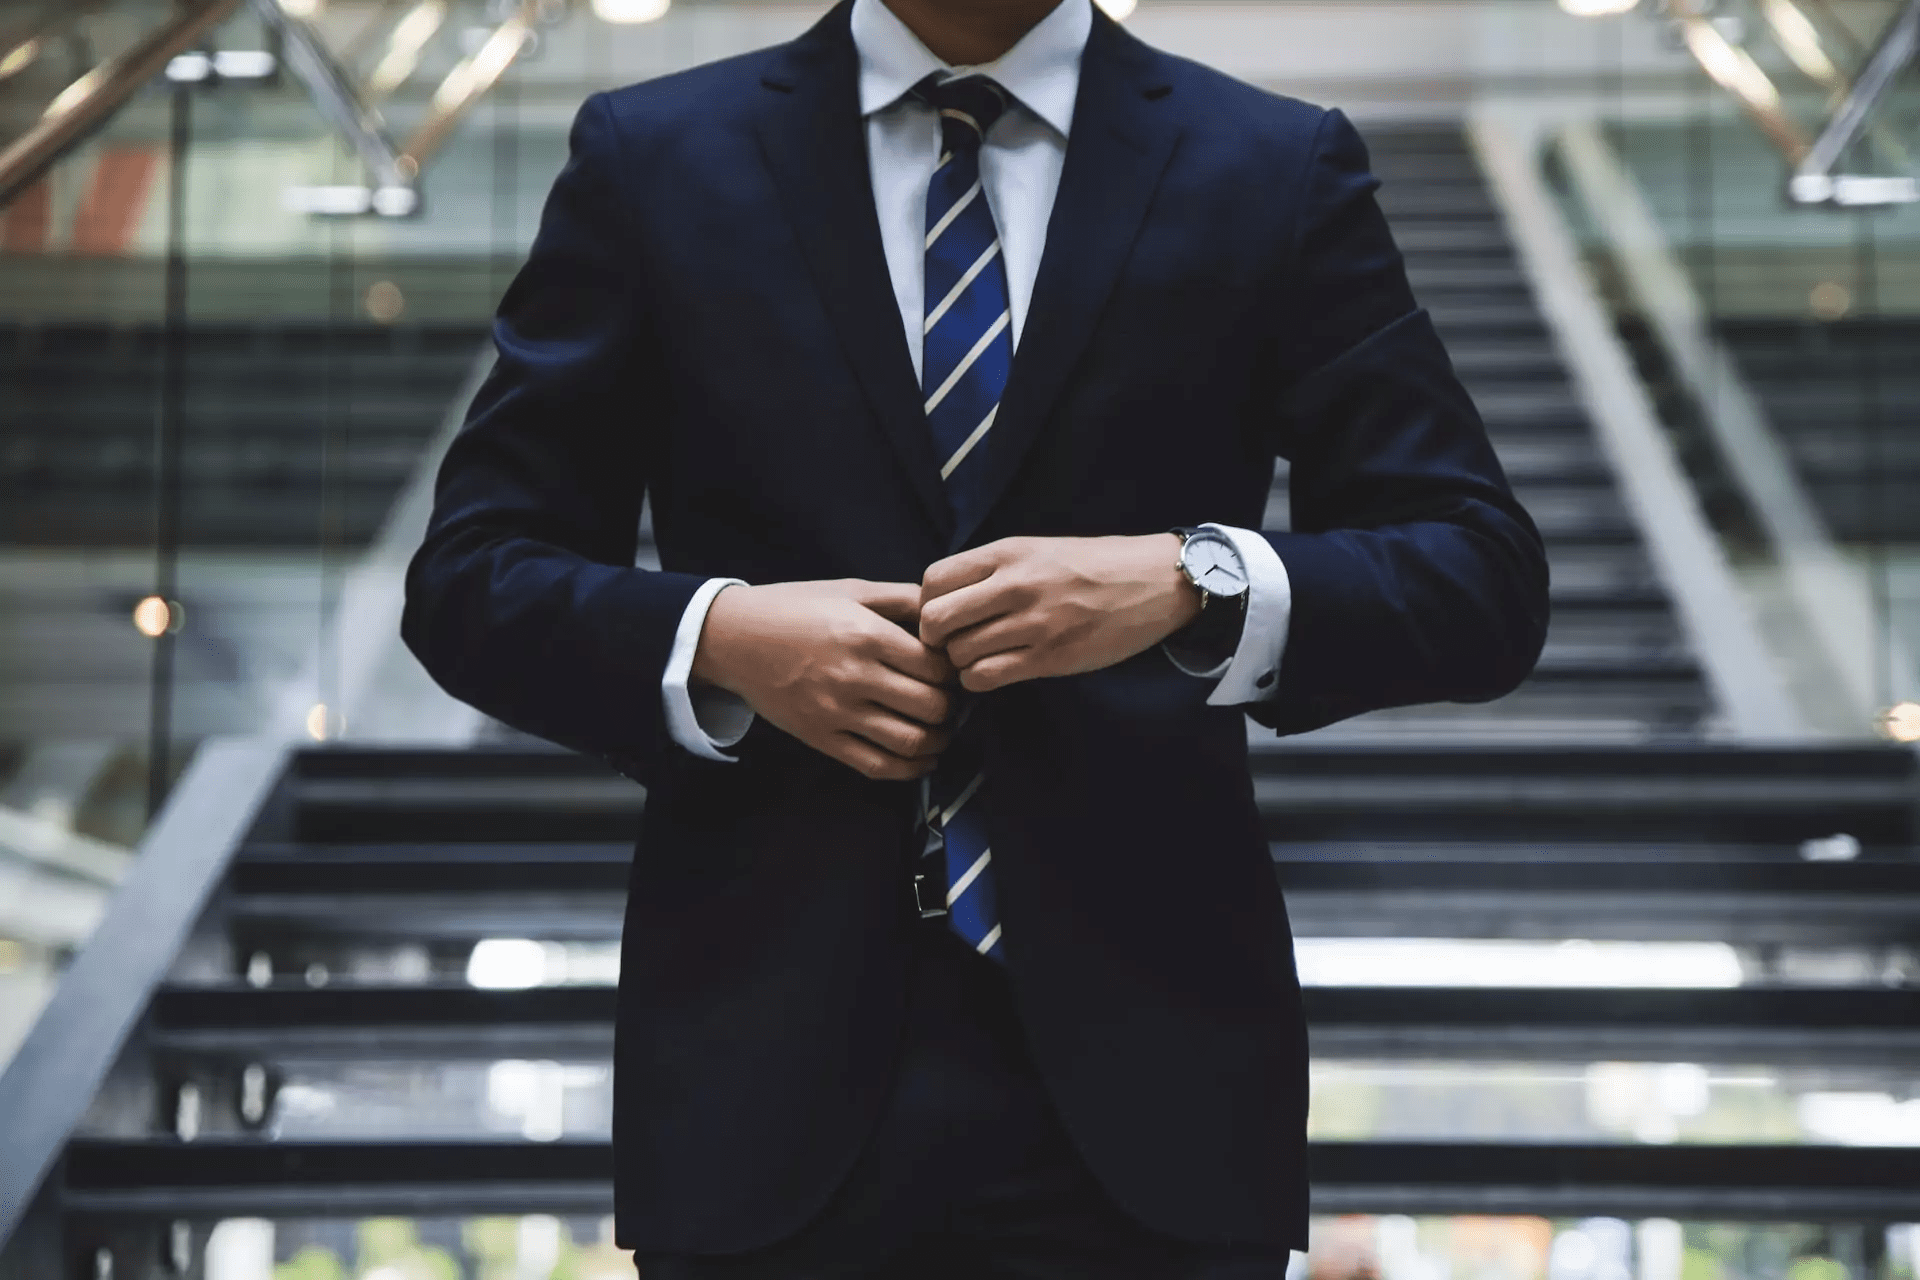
(710,656)
(1184,599)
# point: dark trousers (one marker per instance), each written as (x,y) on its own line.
(968,1174)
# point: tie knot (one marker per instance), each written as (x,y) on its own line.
(968,106)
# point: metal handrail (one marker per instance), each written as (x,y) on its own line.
(472,80)
(52,1079)
(1813,180)
(87,103)
(1746,684)
(334,94)
(1833,596)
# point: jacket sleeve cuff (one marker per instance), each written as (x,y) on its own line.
(707,719)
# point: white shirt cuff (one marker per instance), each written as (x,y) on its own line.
(1253,672)
(706,719)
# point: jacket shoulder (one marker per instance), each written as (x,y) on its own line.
(709,93)
(1228,107)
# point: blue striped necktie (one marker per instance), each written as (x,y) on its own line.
(967,351)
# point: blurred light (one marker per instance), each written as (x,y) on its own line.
(154,617)
(19,58)
(397,202)
(384,302)
(1598,8)
(1731,67)
(240,1249)
(1840,848)
(1473,962)
(410,36)
(74,94)
(243,64)
(344,201)
(1901,722)
(189,68)
(507,964)
(1861,1119)
(1119,10)
(1797,36)
(625,11)
(486,65)
(352,201)
(300,8)
(11,955)
(1829,300)
(323,723)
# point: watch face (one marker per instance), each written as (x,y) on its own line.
(1215,565)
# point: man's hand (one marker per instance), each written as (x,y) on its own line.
(1022,608)
(836,665)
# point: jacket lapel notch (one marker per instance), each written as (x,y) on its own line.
(813,140)
(1123,136)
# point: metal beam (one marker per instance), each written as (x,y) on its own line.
(231,1178)
(472,80)
(1769,1025)
(1814,181)
(88,102)
(52,1079)
(394,175)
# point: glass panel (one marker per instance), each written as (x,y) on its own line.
(1795,417)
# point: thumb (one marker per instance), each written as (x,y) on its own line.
(897,602)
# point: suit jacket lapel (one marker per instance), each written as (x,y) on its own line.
(1122,138)
(814,142)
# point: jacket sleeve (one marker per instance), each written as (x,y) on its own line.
(1416,575)
(523,599)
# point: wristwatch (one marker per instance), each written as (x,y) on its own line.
(1212,563)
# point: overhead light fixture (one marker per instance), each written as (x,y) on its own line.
(1598,8)
(300,8)
(630,11)
(1119,10)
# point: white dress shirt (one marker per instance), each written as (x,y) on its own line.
(1020,165)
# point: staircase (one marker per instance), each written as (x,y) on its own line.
(297,436)
(367,995)
(394,997)
(1844,397)
(1616,666)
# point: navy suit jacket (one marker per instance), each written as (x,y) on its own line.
(706,317)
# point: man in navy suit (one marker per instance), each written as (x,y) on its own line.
(954,343)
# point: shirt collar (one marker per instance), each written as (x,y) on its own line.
(1042,72)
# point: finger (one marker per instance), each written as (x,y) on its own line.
(900,651)
(906,696)
(897,602)
(870,761)
(968,646)
(896,735)
(964,569)
(998,671)
(983,601)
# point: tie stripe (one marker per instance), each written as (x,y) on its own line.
(959,207)
(980,264)
(967,361)
(966,447)
(965,357)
